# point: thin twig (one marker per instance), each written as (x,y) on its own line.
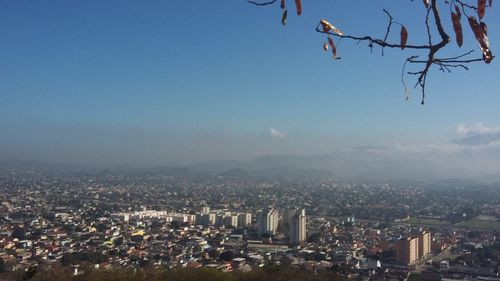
(262,3)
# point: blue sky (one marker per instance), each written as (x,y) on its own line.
(94,80)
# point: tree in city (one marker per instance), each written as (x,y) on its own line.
(3,266)
(227,256)
(462,13)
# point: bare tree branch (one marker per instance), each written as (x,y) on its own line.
(261,3)
(373,40)
(443,64)
(388,28)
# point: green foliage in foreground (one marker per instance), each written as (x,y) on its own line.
(274,273)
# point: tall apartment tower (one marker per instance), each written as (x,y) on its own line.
(298,227)
(205,210)
(407,250)
(245,219)
(211,218)
(231,221)
(288,214)
(268,222)
(276,220)
(424,244)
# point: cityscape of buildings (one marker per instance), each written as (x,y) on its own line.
(375,231)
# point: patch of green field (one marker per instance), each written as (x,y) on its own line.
(425,221)
(475,223)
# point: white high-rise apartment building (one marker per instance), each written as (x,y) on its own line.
(298,227)
(268,222)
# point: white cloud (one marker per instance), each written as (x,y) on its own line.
(477,136)
(429,148)
(476,129)
(276,134)
(470,138)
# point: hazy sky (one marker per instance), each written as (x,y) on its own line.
(175,82)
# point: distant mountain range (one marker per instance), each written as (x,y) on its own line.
(334,166)
(349,167)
